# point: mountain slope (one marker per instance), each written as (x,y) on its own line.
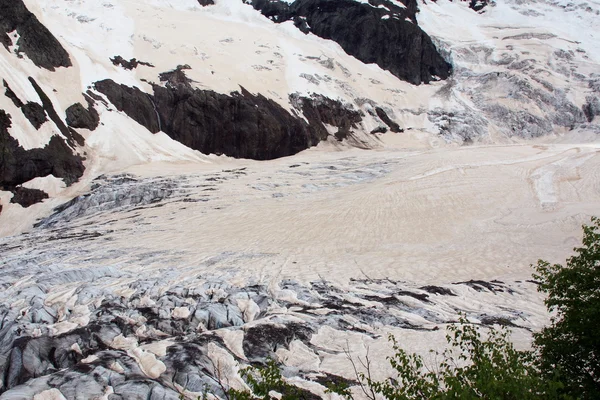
(189,186)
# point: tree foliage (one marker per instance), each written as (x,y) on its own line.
(571,344)
(471,368)
(265,383)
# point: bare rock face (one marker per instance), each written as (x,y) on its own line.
(320,110)
(71,135)
(27,197)
(18,165)
(80,117)
(132,101)
(241,124)
(387,36)
(394,127)
(35,40)
(129,65)
(34,112)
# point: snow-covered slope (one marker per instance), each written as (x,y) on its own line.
(437,149)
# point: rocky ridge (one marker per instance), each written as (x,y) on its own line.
(380,31)
(240,125)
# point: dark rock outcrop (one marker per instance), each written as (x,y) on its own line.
(387,36)
(27,197)
(394,127)
(129,65)
(80,117)
(591,108)
(18,165)
(35,40)
(34,112)
(320,110)
(12,95)
(241,124)
(132,101)
(205,3)
(71,135)
(475,5)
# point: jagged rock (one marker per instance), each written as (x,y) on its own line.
(379,129)
(205,3)
(33,111)
(176,77)
(132,101)
(394,127)
(70,134)
(129,65)
(393,43)
(80,117)
(18,166)
(12,95)
(35,40)
(27,197)
(240,125)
